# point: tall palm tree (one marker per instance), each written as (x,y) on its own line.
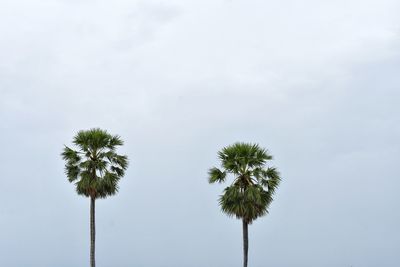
(254,183)
(95,168)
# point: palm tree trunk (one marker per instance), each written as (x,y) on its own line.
(245,242)
(92,232)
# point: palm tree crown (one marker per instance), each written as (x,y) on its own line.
(95,167)
(254,184)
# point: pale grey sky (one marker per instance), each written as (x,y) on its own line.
(315,82)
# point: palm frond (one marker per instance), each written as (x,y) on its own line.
(115,141)
(272,179)
(72,172)
(216,175)
(70,155)
(72,159)
(248,204)
(107,185)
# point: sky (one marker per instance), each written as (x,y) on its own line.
(315,82)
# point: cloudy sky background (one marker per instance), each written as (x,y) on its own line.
(315,82)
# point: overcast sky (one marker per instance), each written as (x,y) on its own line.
(315,82)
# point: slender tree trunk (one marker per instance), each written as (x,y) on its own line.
(92,232)
(245,242)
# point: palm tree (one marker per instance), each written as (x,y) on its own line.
(95,168)
(250,194)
